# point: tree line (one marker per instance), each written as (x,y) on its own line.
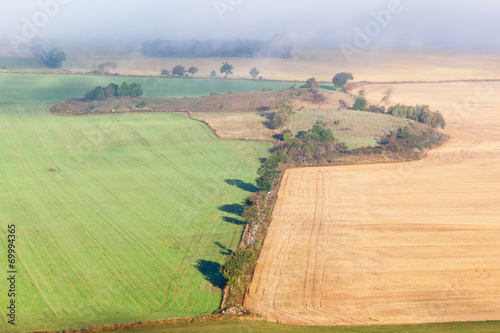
(280,46)
(420,113)
(226,69)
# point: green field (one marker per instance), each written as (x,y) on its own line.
(57,88)
(21,64)
(135,218)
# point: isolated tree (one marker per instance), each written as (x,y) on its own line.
(213,74)
(340,79)
(55,57)
(386,98)
(179,70)
(347,88)
(311,83)
(362,93)
(254,72)
(165,72)
(360,104)
(226,69)
(193,70)
(104,67)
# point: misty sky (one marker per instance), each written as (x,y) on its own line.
(416,24)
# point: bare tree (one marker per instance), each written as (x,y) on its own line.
(386,98)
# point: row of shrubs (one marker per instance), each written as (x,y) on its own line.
(419,113)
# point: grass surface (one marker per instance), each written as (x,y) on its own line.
(22,64)
(356,128)
(133,222)
(57,88)
(264,327)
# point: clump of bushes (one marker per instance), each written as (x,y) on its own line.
(113,90)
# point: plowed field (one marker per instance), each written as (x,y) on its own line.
(393,243)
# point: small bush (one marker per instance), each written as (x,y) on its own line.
(141,105)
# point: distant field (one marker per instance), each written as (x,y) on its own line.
(245,326)
(133,221)
(11,63)
(56,88)
(368,64)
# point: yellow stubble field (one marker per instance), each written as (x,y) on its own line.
(393,243)
(367,65)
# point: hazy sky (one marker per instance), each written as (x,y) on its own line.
(417,24)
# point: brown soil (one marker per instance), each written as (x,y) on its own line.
(235,102)
(392,243)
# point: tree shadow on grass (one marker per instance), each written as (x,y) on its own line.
(225,251)
(242,185)
(233,220)
(236,209)
(268,122)
(211,272)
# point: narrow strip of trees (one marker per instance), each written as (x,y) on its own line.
(420,113)
(280,46)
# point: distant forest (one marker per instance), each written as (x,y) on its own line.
(280,46)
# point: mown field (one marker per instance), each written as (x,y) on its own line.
(392,243)
(135,217)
